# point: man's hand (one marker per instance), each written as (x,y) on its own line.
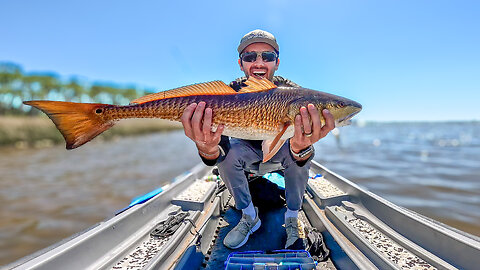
(197,124)
(308,128)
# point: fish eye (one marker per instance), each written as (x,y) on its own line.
(341,104)
(99,111)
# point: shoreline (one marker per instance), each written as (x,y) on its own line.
(31,132)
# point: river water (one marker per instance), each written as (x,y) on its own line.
(49,194)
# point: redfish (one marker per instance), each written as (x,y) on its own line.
(259,111)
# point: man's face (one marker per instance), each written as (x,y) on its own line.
(259,69)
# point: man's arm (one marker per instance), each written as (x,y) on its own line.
(197,124)
(309,130)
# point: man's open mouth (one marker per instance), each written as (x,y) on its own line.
(259,73)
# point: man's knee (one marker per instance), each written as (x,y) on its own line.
(236,155)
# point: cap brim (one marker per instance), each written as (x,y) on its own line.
(270,42)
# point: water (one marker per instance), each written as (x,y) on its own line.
(49,194)
(431,168)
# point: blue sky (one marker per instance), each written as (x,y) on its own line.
(402,60)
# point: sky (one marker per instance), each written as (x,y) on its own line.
(402,60)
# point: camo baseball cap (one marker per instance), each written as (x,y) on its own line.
(257,36)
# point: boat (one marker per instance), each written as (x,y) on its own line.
(182,226)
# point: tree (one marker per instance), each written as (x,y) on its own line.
(73,90)
(16,86)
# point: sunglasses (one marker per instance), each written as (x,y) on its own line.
(252,56)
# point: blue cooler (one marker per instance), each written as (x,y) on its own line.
(278,259)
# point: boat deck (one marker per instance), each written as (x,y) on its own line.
(270,236)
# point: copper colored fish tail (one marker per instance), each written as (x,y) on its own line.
(78,122)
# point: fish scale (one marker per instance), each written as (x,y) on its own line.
(263,112)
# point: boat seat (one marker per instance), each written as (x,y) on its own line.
(196,196)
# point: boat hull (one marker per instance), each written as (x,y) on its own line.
(350,218)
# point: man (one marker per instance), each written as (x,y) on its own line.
(258,51)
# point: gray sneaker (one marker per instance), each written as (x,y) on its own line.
(238,236)
(295,230)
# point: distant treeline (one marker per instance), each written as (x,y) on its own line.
(17,86)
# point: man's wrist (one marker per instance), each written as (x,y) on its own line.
(212,153)
(302,154)
(294,148)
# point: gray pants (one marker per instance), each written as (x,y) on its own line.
(243,157)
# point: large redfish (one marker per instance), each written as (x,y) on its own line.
(259,111)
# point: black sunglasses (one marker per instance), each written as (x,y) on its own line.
(252,56)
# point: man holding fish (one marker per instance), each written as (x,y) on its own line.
(272,121)
(258,51)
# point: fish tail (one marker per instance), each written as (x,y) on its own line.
(78,122)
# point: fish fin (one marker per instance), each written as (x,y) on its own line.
(267,145)
(270,148)
(78,122)
(208,88)
(256,85)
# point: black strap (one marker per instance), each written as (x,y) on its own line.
(169,226)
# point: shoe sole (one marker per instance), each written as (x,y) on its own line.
(259,223)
